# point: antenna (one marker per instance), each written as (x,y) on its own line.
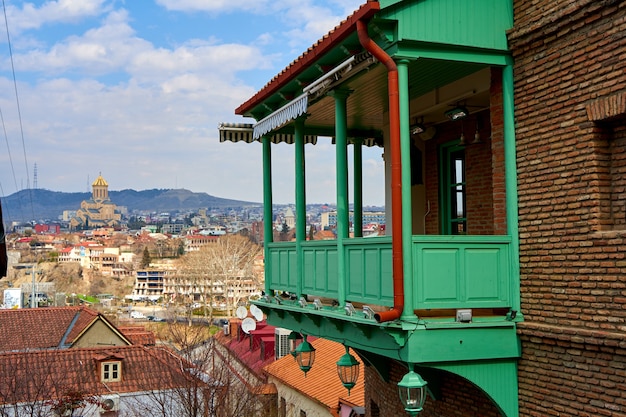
(241,312)
(248,324)
(256,312)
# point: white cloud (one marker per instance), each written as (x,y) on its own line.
(62,11)
(107,99)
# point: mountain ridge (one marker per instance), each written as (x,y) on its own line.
(43,204)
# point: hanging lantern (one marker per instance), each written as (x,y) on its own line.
(294,339)
(305,355)
(348,370)
(412,390)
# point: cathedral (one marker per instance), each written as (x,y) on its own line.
(99,210)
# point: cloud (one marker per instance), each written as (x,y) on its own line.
(62,11)
(105,97)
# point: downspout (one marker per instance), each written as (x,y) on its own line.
(396,172)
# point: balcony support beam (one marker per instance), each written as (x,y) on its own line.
(358,187)
(300,177)
(341,160)
(510,178)
(407,210)
(268,229)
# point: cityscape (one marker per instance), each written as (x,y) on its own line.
(399,208)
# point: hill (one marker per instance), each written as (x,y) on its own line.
(40,204)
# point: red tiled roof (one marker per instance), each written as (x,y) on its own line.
(255,350)
(49,374)
(322,382)
(321,47)
(138,335)
(42,328)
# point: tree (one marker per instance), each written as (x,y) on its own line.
(284,232)
(220,272)
(146,259)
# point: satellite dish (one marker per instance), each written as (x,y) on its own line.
(256,312)
(241,312)
(247,325)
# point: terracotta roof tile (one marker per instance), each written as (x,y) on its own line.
(42,328)
(138,335)
(321,382)
(49,374)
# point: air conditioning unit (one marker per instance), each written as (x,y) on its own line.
(109,403)
(281,345)
(226,329)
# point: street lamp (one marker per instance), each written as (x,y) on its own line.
(294,339)
(412,390)
(348,370)
(305,355)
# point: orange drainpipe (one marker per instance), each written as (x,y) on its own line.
(396,172)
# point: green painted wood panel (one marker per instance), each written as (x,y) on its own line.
(448,271)
(475,23)
(283,274)
(369,271)
(461,272)
(319,272)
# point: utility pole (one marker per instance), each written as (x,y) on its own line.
(32,291)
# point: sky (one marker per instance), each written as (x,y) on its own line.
(135,90)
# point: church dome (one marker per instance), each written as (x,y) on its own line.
(99,182)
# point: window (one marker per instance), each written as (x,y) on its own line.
(453,190)
(111,371)
(611,148)
(282,412)
(302,413)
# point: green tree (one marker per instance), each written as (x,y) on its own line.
(146,259)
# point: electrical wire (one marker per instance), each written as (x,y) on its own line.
(19,112)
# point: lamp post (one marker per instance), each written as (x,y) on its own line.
(348,370)
(412,390)
(305,355)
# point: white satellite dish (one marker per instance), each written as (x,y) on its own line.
(256,312)
(241,312)
(248,324)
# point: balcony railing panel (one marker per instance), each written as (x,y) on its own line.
(461,272)
(320,270)
(448,271)
(283,258)
(369,271)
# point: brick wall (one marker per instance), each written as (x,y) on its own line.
(486,206)
(569,107)
(456,397)
(572,372)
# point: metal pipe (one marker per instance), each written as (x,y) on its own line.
(396,172)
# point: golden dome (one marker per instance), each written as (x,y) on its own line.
(99,182)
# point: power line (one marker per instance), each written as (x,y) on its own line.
(19,112)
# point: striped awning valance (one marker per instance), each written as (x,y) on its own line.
(288,112)
(243,132)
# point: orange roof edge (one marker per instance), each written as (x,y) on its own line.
(321,47)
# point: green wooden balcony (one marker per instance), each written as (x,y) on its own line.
(449,272)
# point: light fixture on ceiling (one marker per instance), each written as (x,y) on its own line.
(476,135)
(417,127)
(457,113)
(462,137)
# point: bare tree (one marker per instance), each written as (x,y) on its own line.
(219,272)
